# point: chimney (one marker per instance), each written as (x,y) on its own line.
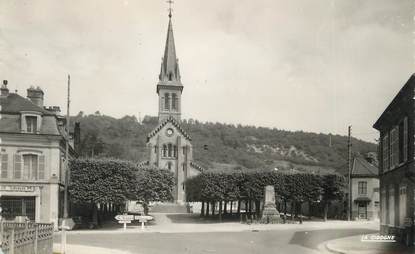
(35,95)
(77,136)
(4,91)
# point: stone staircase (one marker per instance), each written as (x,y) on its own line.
(168,208)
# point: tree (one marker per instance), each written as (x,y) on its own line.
(101,182)
(153,184)
(333,187)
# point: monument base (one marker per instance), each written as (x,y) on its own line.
(270,215)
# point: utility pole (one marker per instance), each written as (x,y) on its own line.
(349,164)
(67,174)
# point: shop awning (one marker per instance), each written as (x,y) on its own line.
(362,199)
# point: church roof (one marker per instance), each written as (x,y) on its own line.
(175,123)
(170,64)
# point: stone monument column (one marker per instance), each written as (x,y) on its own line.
(270,213)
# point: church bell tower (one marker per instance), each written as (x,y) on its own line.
(169,87)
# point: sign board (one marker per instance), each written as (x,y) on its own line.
(124,217)
(143,218)
(124,221)
(17,188)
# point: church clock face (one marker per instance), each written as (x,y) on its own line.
(169,132)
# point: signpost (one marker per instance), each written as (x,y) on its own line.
(126,218)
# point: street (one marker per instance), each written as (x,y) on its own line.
(275,241)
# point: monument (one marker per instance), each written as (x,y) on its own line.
(270,213)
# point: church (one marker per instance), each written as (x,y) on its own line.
(168,144)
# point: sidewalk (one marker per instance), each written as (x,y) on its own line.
(82,249)
(354,245)
(191,223)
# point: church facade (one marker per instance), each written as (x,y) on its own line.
(168,144)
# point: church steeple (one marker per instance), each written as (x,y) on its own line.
(170,64)
(169,87)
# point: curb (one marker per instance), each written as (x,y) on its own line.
(332,250)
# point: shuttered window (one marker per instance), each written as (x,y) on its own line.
(4,166)
(394,147)
(385,152)
(17,172)
(41,175)
(405,139)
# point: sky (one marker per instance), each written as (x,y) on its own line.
(310,65)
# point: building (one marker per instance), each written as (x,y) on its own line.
(365,190)
(168,144)
(396,164)
(32,152)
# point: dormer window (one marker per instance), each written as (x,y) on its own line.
(31,124)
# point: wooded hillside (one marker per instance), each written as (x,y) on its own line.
(228,146)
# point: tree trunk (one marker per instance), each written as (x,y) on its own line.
(239,207)
(250,210)
(220,211)
(285,210)
(94,214)
(257,208)
(292,210)
(326,210)
(231,208)
(202,210)
(299,213)
(309,209)
(207,209)
(225,206)
(213,208)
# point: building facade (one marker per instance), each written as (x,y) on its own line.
(365,190)
(396,165)
(168,144)
(32,152)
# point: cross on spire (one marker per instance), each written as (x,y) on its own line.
(170,2)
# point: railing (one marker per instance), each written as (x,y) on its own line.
(26,238)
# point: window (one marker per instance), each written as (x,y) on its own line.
(402,205)
(385,153)
(155,149)
(166,101)
(170,76)
(31,124)
(164,150)
(383,207)
(173,101)
(362,188)
(169,165)
(170,148)
(175,151)
(33,167)
(394,147)
(405,139)
(4,166)
(391,206)
(184,150)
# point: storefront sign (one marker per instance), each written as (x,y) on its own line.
(17,188)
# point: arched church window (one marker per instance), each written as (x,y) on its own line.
(164,151)
(174,151)
(170,150)
(166,101)
(155,149)
(174,101)
(170,76)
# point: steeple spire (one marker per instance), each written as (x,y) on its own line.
(170,64)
